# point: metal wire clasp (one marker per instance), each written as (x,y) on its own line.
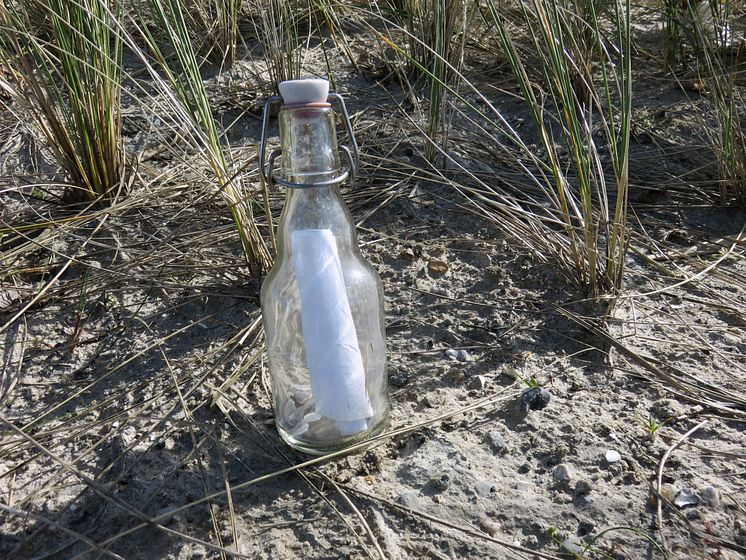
(266,167)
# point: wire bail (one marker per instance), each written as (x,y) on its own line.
(267,167)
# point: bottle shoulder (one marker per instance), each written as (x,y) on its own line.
(356,269)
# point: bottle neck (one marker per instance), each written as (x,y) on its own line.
(316,208)
(310,156)
(309,143)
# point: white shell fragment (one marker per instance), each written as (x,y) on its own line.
(572,546)
(686,497)
(613,456)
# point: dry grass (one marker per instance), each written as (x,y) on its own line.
(64,76)
(132,357)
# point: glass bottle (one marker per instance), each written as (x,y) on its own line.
(322,302)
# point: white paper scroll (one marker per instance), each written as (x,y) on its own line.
(332,352)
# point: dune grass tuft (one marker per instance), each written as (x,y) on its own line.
(65,76)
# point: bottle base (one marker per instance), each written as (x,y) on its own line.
(324,447)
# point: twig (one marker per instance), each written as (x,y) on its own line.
(668,452)
(56,277)
(357,512)
(105,493)
(489,401)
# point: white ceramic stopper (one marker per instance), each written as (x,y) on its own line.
(311,90)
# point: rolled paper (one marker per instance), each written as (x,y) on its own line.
(335,363)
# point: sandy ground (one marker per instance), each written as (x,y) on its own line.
(137,386)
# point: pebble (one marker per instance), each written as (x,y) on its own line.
(613,456)
(522,486)
(441,481)
(669,491)
(489,526)
(583,488)
(484,489)
(692,514)
(460,355)
(586,528)
(496,442)
(463,356)
(409,500)
(686,497)
(562,473)
(535,398)
(407,255)
(711,496)
(398,378)
(477,382)
(740,532)
(437,266)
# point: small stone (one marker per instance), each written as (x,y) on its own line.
(409,500)
(489,526)
(477,383)
(685,498)
(613,456)
(692,514)
(583,488)
(669,491)
(398,378)
(407,255)
(585,528)
(436,266)
(441,481)
(562,473)
(740,532)
(522,486)
(535,398)
(457,355)
(711,496)
(496,441)
(484,489)
(129,434)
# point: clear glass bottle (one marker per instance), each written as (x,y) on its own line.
(322,302)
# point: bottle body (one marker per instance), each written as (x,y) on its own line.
(322,305)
